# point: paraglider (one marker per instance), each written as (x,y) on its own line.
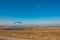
(17,22)
(38,4)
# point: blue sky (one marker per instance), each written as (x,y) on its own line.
(28,12)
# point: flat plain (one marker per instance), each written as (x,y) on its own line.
(33,34)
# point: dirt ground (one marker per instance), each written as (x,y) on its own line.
(11,38)
(35,34)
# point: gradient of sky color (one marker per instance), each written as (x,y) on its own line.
(28,12)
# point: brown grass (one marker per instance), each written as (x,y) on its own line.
(2,39)
(35,34)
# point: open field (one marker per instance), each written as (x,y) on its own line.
(34,34)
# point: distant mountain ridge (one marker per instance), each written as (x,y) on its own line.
(24,27)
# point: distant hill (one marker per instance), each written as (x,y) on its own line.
(18,27)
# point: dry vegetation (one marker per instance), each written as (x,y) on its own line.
(35,34)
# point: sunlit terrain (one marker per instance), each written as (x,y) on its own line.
(40,33)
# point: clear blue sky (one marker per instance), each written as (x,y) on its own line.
(28,12)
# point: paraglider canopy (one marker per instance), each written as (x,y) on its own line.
(17,22)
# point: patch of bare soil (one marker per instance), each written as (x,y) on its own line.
(11,38)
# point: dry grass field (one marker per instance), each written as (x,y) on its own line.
(34,34)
